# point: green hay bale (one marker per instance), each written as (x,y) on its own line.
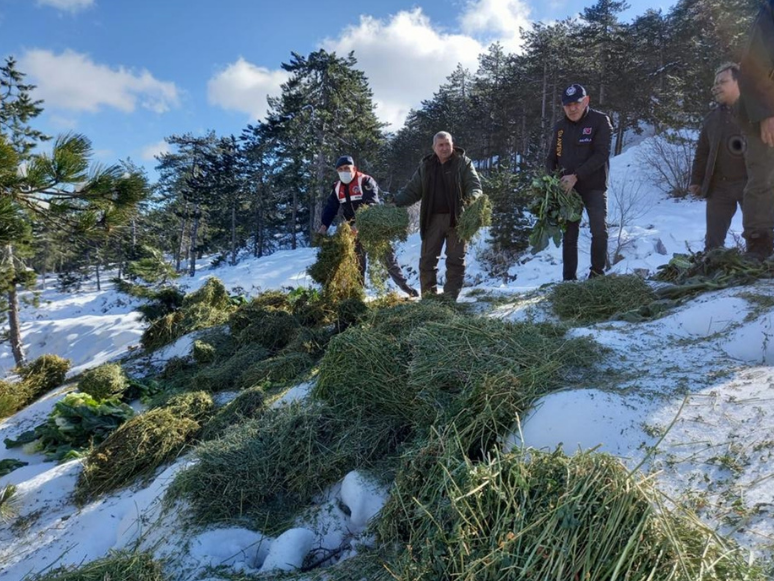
(482,373)
(163,331)
(477,215)
(273,331)
(281,369)
(103,382)
(601,298)
(13,397)
(255,310)
(312,342)
(227,374)
(203,353)
(350,312)
(249,404)
(539,515)
(364,371)
(44,374)
(377,227)
(197,405)
(400,320)
(262,472)
(139,447)
(122,565)
(212,294)
(336,268)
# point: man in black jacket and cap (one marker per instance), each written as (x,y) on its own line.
(580,151)
(756,118)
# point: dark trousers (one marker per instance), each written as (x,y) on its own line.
(758,210)
(439,232)
(391,262)
(722,200)
(595,203)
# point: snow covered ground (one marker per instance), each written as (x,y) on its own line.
(689,396)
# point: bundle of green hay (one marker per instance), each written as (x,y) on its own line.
(107,380)
(337,268)
(476,215)
(553,207)
(481,373)
(12,398)
(255,310)
(274,330)
(377,227)
(365,371)
(262,472)
(142,444)
(226,374)
(203,353)
(350,312)
(123,566)
(248,405)
(601,298)
(539,515)
(44,374)
(400,320)
(280,369)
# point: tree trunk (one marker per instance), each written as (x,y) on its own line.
(96,272)
(14,332)
(233,234)
(293,215)
(192,251)
(181,247)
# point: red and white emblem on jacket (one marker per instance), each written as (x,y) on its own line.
(355,189)
(587,131)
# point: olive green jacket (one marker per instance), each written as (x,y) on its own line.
(467,184)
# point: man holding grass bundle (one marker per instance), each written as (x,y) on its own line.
(352,190)
(580,150)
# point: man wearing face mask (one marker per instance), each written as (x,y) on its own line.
(352,190)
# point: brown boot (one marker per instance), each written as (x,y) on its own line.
(760,245)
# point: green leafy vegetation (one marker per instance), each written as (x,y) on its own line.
(601,298)
(552,207)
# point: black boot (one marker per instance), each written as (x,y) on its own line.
(760,245)
(410,290)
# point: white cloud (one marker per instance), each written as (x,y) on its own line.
(405,59)
(497,20)
(73,81)
(149,152)
(243,87)
(67,5)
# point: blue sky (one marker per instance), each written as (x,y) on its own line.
(128,73)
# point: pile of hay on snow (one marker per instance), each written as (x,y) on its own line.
(540,515)
(142,444)
(249,404)
(37,378)
(601,298)
(107,380)
(337,268)
(377,228)
(263,471)
(117,566)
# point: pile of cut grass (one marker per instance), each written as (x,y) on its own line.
(103,382)
(601,298)
(540,515)
(337,268)
(477,215)
(281,369)
(142,444)
(249,404)
(227,374)
(37,378)
(123,566)
(206,307)
(273,330)
(263,471)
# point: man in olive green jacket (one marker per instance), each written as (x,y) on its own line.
(756,118)
(445,182)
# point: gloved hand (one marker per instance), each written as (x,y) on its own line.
(388,198)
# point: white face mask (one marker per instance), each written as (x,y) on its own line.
(345,176)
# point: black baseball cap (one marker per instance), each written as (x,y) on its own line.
(345,160)
(573,94)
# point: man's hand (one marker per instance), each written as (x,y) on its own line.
(353,228)
(694,189)
(767,131)
(322,229)
(388,199)
(568,182)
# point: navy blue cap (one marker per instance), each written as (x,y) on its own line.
(573,94)
(345,160)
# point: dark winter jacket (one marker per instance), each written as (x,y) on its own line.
(756,79)
(582,148)
(349,197)
(720,136)
(466,185)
